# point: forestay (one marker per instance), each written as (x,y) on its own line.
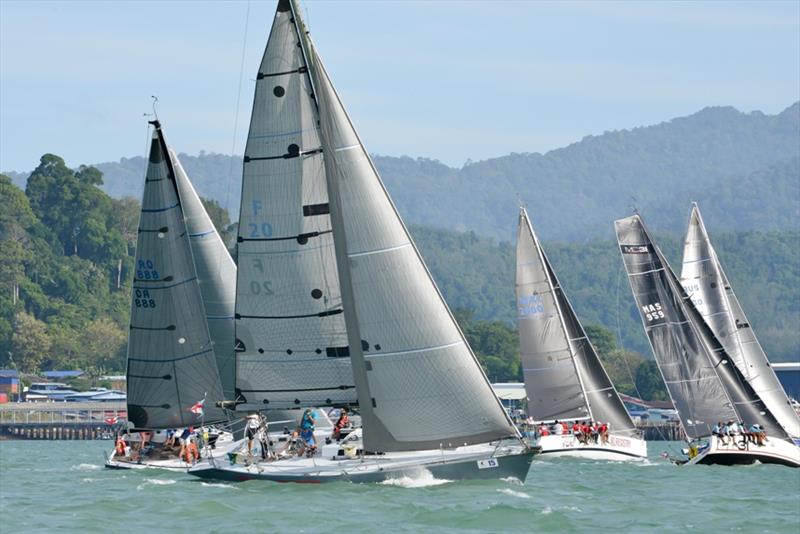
(705,386)
(419,384)
(171,363)
(707,285)
(291,337)
(564,377)
(216,273)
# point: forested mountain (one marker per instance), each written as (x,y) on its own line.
(68,248)
(744,169)
(764,268)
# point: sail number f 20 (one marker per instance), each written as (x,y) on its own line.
(653,312)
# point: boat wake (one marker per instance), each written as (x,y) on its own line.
(155,482)
(423,479)
(513,480)
(217,485)
(86,467)
(513,493)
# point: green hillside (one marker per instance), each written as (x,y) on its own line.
(744,169)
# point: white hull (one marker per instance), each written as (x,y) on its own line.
(223,445)
(735,452)
(474,461)
(618,448)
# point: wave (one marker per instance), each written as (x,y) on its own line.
(155,482)
(86,467)
(423,479)
(512,493)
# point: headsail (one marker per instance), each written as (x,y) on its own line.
(564,378)
(216,273)
(291,337)
(171,363)
(705,386)
(708,287)
(419,384)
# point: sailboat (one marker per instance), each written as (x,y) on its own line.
(172,362)
(704,383)
(707,285)
(564,378)
(336,304)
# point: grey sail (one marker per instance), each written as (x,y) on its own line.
(704,384)
(707,285)
(291,336)
(554,346)
(552,383)
(171,363)
(419,384)
(216,273)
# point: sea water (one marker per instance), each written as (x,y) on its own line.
(61,486)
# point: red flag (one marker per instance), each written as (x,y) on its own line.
(197,409)
(112,420)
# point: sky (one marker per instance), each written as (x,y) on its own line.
(448,80)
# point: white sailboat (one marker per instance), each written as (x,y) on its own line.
(335,304)
(707,285)
(704,383)
(564,378)
(182,270)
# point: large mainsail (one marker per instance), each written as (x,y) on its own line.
(216,273)
(291,338)
(704,384)
(171,363)
(708,287)
(564,378)
(419,384)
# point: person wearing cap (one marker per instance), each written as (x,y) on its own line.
(250,430)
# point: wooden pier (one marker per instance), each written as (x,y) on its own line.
(62,420)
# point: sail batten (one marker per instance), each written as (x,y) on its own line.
(171,360)
(705,281)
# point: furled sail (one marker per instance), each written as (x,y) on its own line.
(291,337)
(707,285)
(419,384)
(216,273)
(564,378)
(171,363)
(705,386)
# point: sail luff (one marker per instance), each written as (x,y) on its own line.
(705,280)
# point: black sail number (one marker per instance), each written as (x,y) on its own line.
(261,288)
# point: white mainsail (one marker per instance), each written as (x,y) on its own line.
(216,273)
(171,362)
(564,378)
(707,285)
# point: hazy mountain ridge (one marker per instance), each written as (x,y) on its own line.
(743,167)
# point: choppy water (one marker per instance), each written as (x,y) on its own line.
(48,486)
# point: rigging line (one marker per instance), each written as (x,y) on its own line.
(236,124)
